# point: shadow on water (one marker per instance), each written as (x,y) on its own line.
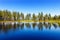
(6,27)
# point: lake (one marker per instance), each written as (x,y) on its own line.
(30,31)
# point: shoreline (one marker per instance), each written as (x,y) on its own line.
(29,21)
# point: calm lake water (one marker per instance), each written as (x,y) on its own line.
(30,31)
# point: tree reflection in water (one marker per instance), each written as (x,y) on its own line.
(47,25)
(40,26)
(7,27)
(59,24)
(33,25)
(21,25)
(55,25)
(28,25)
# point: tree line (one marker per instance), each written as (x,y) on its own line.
(9,16)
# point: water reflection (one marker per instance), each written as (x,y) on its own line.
(34,25)
(47,25)
(21,25)
(14,26)
(28,25)
(40,26)
(59,24)
(55,25)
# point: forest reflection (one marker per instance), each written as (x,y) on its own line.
(40,26)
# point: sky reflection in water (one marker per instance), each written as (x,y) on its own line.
(30,31)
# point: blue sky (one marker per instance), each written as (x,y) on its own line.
(32,6)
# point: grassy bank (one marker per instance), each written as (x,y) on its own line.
(50,21)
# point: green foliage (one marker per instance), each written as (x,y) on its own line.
(8,15)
